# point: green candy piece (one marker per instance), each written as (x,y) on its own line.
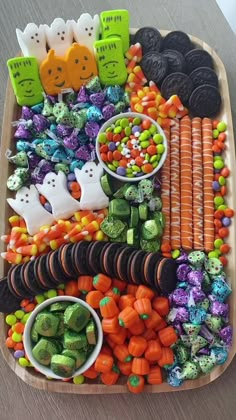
(46,324)
(78,356)
(187,340)
(34,334)
(43,351)
(15,182)
(159,217)
(20,159)
(59,306)
(106,185)
(182,354)
(62,365)
(47,108)
(134,217)
(78,119)
(122,238)
(213,266)
(150,246)
(120,107)
(112,227)
(155,204)
(132,237)
(146,187)
(206,283)
(143,211)
(150,230)
(61,326)
(94,85)
(131,193)
(120,192)
(110,60)
(76,317)
(190,370)
(191,329)
(39,150)
(119,208)
(91,333)
(115,23)
(24,76)
(59,109)
(74,341)
(214,323)
(205,304)
(62,167)
(207,363)
(197,258)
(198,344)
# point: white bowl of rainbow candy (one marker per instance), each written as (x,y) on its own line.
(131,146)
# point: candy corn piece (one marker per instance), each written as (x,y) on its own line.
(153,87)
(139,73)
(28,250)
(79,237)
(128,88)
(22,223)
(56,243)
(79,214)
(87,219)
(131,65)
(14,236)
(5,238)
(22,240)
(135,86)
(39,237)
(14,221)
(55,232)
(42,247)
(74,231)
(98,236)
(150,96)
(92,227)
(12,257)
(134,51)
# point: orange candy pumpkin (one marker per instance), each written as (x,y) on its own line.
(54,74)
(81,65)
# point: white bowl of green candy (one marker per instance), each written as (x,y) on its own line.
(63,337)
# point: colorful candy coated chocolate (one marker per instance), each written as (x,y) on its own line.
(110,61)
(115,23)
(25,80)
(81,65)
(54,74)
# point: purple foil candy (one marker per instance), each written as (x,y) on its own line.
(26,113)
(195,278)
(40,123)
(178,326)
(82,95)
(182,315)
(204,351)
(108,111)
(64,130)
(219,309)
(180,297)
(182,272)
(22,133)
(197,294)
(71,141)
(83,153)
(92,128)
(33,159)
(226,334)
(183,258)
(37,177)
(51,98)
(207,334)
(97,99)
(45,166)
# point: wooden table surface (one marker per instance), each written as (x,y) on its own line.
(216,401)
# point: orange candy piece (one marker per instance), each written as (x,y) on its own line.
(54,74)
(81,65)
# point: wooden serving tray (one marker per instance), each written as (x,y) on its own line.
(11,113)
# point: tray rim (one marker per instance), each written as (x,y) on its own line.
(30,376)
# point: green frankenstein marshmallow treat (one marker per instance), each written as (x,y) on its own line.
(24,75)
(115,23)
(110,60)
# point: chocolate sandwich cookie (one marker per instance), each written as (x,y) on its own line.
(55,269)
(135,267)
(43,272)
(154,66)
(151,262)
(177,84)
(198,58)
(49,264)
(150,39)
(40,279)
(15,284)
(78,258)
(176,61)
(122,263)
(108,263)
(65,260)
(165,275)
(204,76)
(93,255)
(28,279)
(8,301)
(177,40)
(205,101)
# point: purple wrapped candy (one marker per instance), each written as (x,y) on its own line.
(108,111)
(92,128)
(121,171)
(207,334)
(182,272)
(45,166)
(64,130)
(82,95)
(204,351)
(182,314)
(40,123)
(83,153)
(197,294)
(183,258)
(37,177)
(178,326)
(33,159)
(180,297)
(71,142)
(51,98)
(195,278)
(97,99)
(26,113)
(219,309)
(22,133)
(226,334)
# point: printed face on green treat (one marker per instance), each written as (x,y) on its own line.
(110,61)
(115,23)
(25,80)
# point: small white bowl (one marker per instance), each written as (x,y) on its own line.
(28,343)
(131,115)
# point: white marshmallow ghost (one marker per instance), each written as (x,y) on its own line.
(32,41)
(54,188)
(92,194)
(86,30)
(28,206)
(59,36)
